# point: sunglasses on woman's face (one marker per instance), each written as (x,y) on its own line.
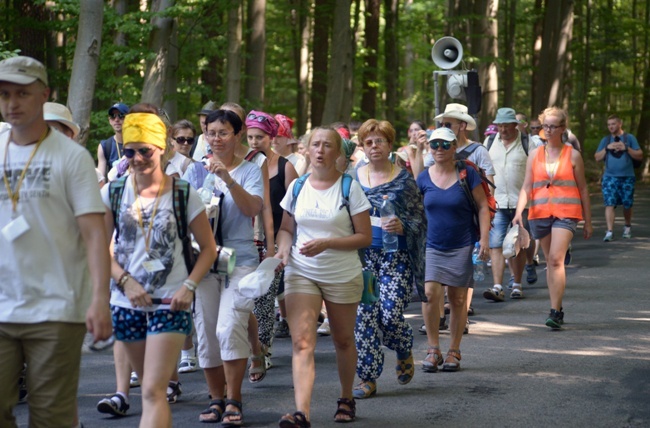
(184,140)
(253,116)
(435,145)
(145,152)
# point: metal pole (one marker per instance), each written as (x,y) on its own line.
(435,94)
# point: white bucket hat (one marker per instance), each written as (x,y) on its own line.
(60,113)
(458,111)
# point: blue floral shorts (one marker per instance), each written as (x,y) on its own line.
(618,191)
(130,325)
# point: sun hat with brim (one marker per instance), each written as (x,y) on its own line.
(208,108)
(22,70)
(458,111)
(506,115)
(444,134)
(59,113)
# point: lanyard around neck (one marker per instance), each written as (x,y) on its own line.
(140,209)
(14,195)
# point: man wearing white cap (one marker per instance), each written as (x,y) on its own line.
(55,265)
(509,157)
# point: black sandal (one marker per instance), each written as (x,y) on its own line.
(228,414)
(297,420)
(341,411)
(212,411)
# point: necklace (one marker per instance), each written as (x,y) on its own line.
(140,210)
(551,167)
(392,170)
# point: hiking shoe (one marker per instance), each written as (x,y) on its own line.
(516,293)
(627,232)
(173,392)
(282,329)
(324,329)
(441,326)
(531,274)
(114,405)
(188,364)
(609,236)
(555,319)
(22,387)
(536,260)
(422,329)
(365,389)
(134,382)
(494,294)
(567,256)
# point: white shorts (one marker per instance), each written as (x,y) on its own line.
(232,326)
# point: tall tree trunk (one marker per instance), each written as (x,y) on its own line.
(348,79)
(300,39)
(153,90)
(391,58)
(370,77)
(233,85)
(170,103)
(256,58)
(584,78)
(340,61)
(510,45)
(643,131)
(484,33)
(323,18)
(84,65)
(212,75)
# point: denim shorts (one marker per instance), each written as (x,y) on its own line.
(541,227)
(501,223)
(618,191)
(130,325)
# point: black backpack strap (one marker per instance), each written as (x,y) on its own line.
(467,151)
(491,141)
(181,189)
(115,193)
(524,142)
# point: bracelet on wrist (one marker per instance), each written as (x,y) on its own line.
(232,183)
(190,285)
(122,280)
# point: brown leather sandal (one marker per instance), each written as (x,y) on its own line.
(433,360)
(351,414)
(452,362)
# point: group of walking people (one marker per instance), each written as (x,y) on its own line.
(326,229)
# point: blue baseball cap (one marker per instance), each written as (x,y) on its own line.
(122,108)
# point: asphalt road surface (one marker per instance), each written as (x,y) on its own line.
(516,372)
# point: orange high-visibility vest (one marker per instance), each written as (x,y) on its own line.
(558,197)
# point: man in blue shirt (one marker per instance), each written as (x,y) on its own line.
(618,150)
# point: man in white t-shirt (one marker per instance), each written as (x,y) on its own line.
(55,265)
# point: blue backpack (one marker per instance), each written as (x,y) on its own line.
(346,183)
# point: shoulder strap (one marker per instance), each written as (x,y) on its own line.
(282,165)
(181,200)
(115,193)
(297,187)
(346,183)
(491,141)
(524,142)
(250,155)
(467,151)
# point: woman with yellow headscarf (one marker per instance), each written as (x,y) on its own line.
(151,288)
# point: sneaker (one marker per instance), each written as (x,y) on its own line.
(324,329)
(567,256)
(609,236)
(494,294)
(282,329)
(627,232)
(134,382)
(365,389)
(555,319)
(114,405)
(188,364)
(516,293)
(511,282)
(22,387)
(173,392)
(422,329)
(531,274)
(536,260)
(442,325)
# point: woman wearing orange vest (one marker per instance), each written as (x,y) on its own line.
(556,187)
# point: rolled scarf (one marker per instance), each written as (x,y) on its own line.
(263,121)
(410,210)
(144,128)
(348,148)
(284,126)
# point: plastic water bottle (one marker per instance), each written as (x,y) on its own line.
(387,212)
(479,265)
(207,190)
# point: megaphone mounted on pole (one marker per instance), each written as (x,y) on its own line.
(447,53)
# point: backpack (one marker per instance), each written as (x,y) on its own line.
(461,173)
(181,199)
(635,163)
(524,142)
(467,151)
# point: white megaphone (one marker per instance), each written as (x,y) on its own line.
(447,53)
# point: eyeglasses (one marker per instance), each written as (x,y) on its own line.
(377,141)
(535,128)
(221,135)
(116,116)
(184,140)
(551,127)
(145,152)
(260,118)
(435,145)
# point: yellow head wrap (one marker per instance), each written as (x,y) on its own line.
(144,128)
